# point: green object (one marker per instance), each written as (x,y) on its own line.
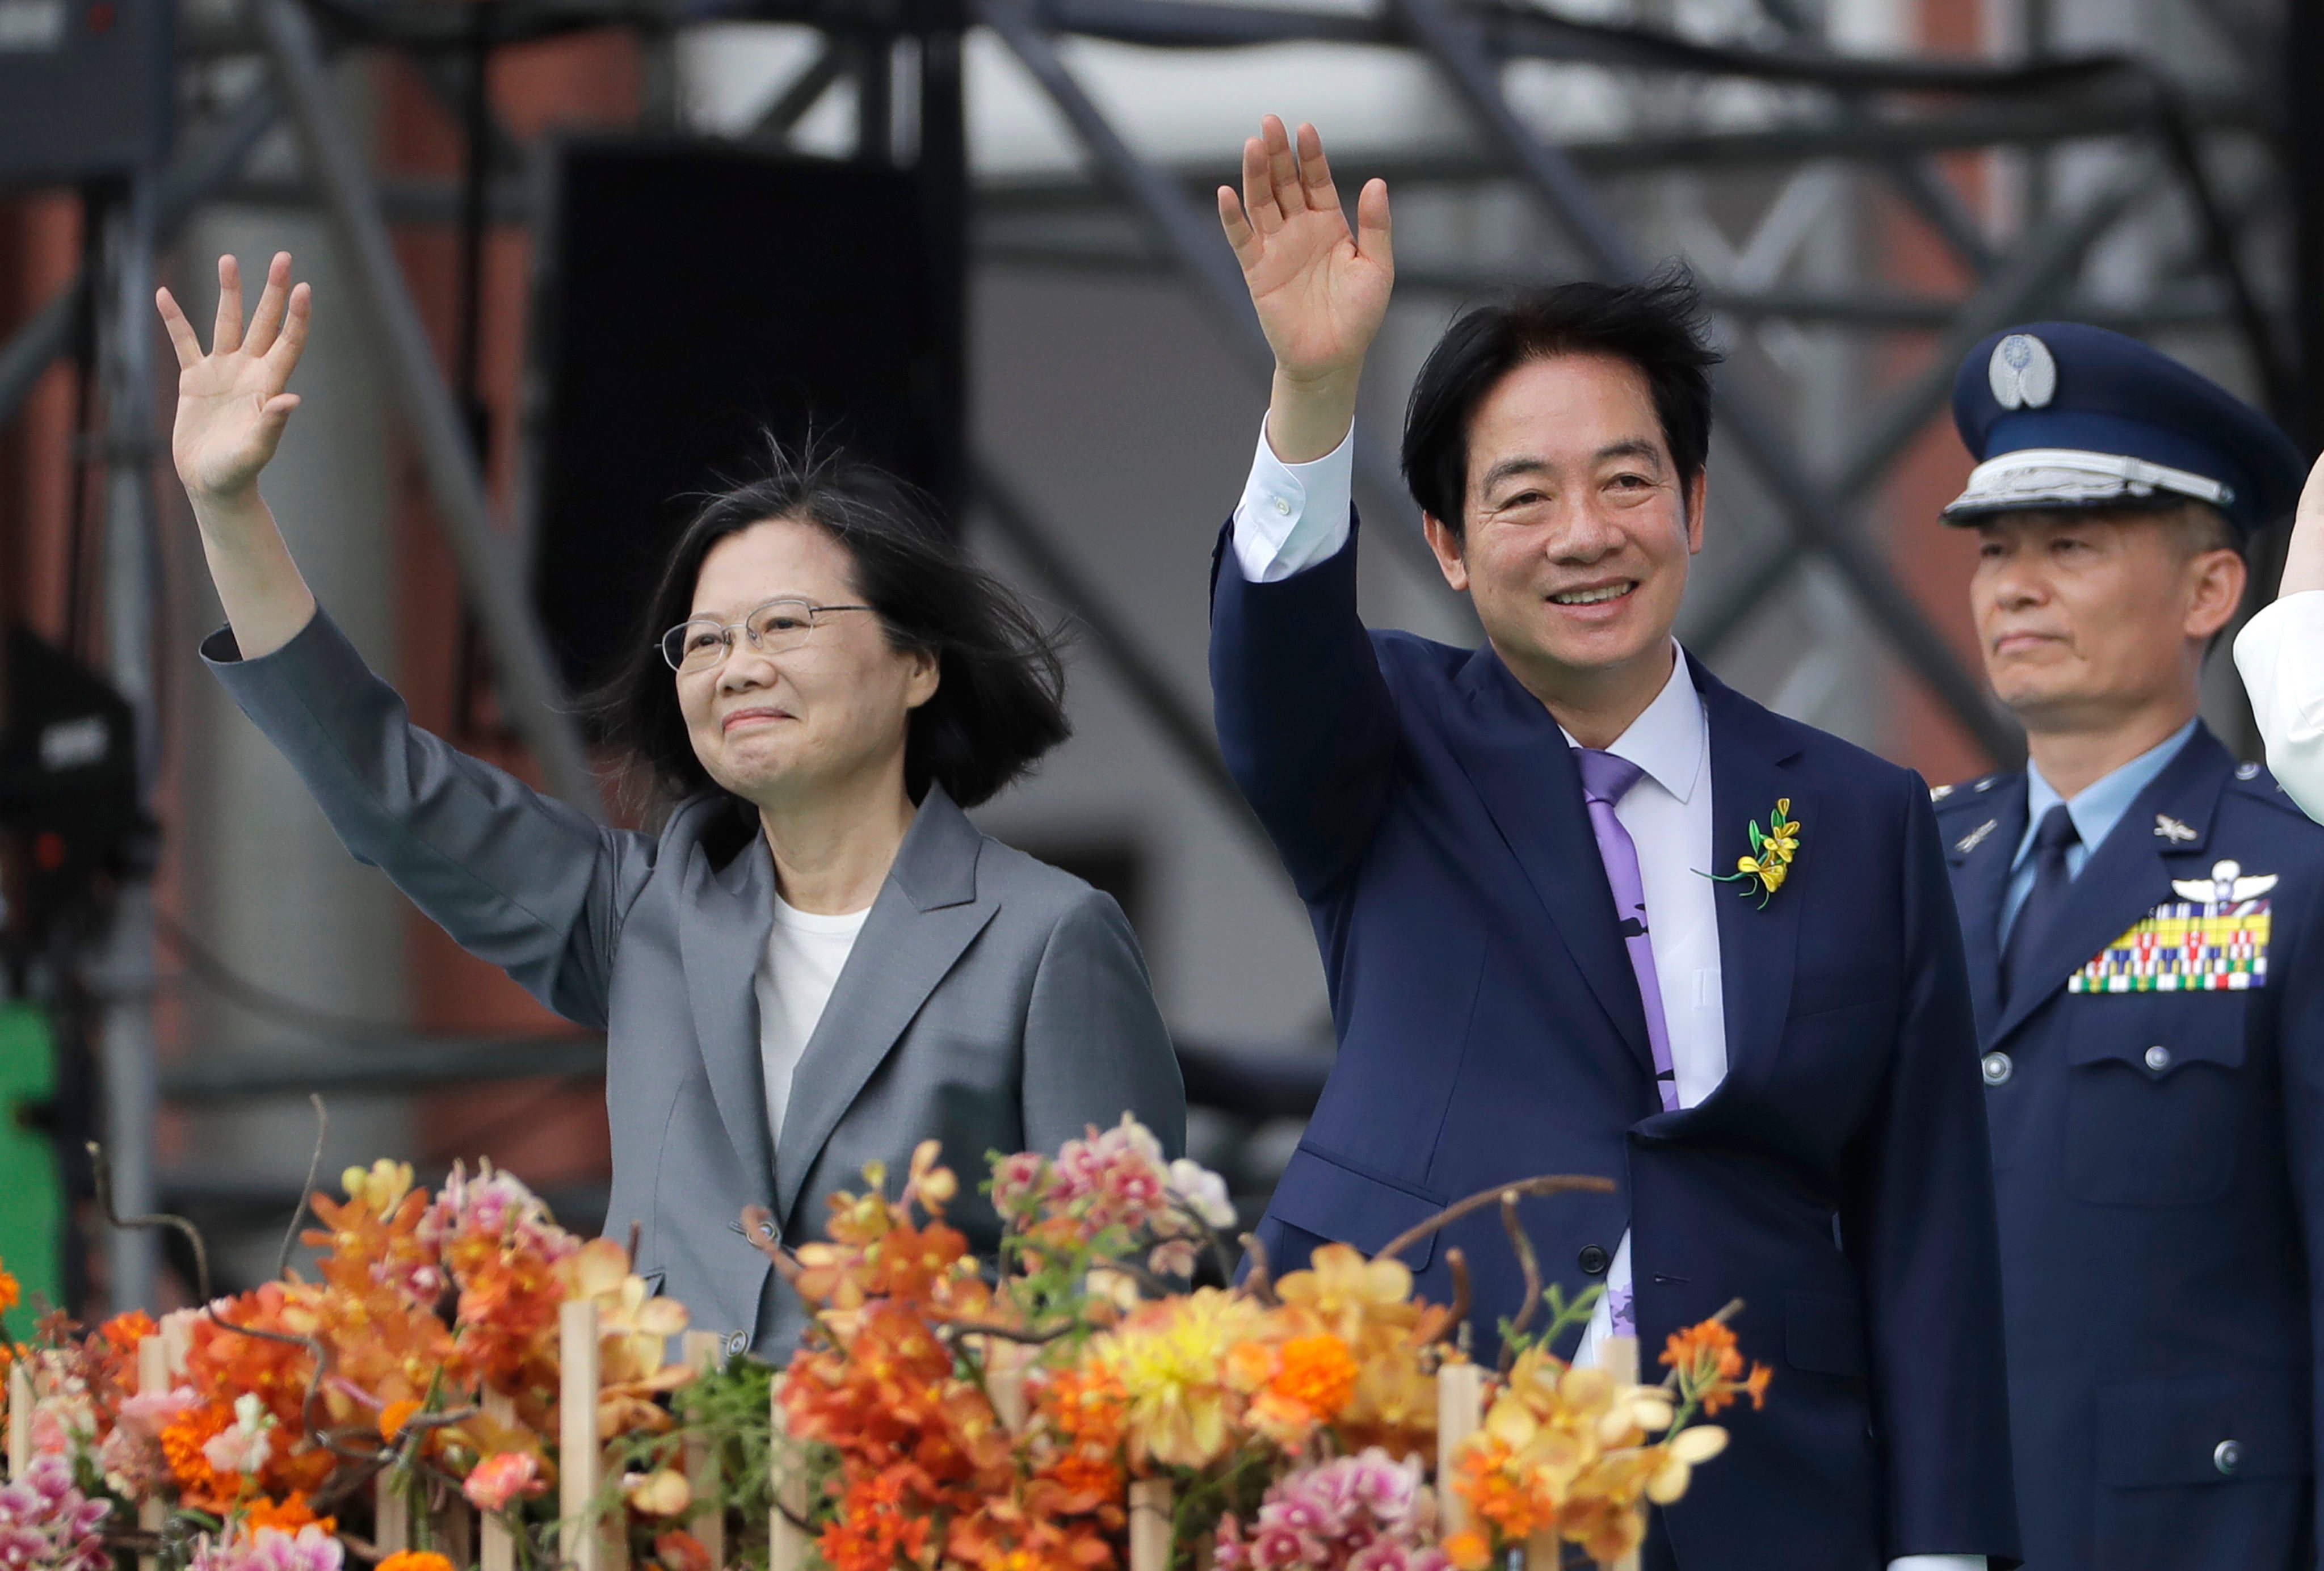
(32,1191)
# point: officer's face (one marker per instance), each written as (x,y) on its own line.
(2087,618)
(1578,533)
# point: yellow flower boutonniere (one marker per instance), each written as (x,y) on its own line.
(1773,850)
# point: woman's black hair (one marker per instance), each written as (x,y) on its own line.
(1000,698)
(1658,325)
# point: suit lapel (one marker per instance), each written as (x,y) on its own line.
(1520,762)
(926,917)
(723,923)
(1752,767)
(1980,847)
(2127,877)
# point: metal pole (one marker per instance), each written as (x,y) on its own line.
(1191,237)
(1454,45)
(529,686)
(1181,724)
(122,980)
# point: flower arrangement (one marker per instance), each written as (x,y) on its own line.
(1079,1404)
(419,1369)
(938,1417)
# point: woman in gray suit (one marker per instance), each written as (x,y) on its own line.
(818,961)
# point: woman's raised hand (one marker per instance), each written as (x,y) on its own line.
(1321,291)
(231,406)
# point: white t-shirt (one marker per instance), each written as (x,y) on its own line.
(803,956)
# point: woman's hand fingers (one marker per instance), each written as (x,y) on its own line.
(181,331)
(226,334)
(267,319)
(282,356)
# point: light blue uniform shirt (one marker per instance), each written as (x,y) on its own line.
(2095,811)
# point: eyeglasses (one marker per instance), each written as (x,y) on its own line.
(773,628)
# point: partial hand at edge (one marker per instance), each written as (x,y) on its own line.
(2303,560)
(1321,291)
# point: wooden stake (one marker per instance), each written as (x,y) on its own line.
(390,1514)
(498,1544)
(706,1353)
(1150,1508)
(21,1402)
(1618,1357)
(579,1452)
(153,1380)
(1005,1363)
(787,1545)
(1460,1412)
(453,1526)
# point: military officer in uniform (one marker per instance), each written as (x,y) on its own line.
(2146,959)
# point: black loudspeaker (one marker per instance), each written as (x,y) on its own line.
(85,87)
(693,295)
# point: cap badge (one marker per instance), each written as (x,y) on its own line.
(2023,372)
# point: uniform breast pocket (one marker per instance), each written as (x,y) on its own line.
(2151,1097)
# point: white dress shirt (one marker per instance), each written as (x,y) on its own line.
(1294,515)
(2281,654)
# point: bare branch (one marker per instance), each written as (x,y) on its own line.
(1530,1263)
(314,1167)
(1548,1184)
(1456,1319)
(103,1166)
(1261,1281)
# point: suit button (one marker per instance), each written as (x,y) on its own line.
(2158,1059)
(1592,1260)
(736,1343)
(2227,1456)
(1997,1069)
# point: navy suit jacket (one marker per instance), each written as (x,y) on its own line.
(2159,1159)
(1489,1029)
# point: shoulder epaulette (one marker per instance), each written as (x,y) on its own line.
(2253,780)
(1967,791)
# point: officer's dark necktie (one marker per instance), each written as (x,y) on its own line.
(2039,914)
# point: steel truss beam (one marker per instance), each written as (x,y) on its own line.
(1188,236)
(1181,723)
(527,681)
(2020,290)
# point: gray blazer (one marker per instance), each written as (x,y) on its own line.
(991,1002)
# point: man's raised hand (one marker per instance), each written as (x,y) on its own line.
(231,405)
(1320,291)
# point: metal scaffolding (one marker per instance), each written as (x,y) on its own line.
(2206,168)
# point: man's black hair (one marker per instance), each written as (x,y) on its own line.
(1658,325)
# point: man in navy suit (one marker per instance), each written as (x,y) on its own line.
(2146,957)
(1507,855)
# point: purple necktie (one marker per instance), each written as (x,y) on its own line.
(1604,781)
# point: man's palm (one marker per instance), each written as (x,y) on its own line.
(1320,290)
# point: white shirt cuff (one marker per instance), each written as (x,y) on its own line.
(1293,516)
(1938,1563)
(2281,654)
